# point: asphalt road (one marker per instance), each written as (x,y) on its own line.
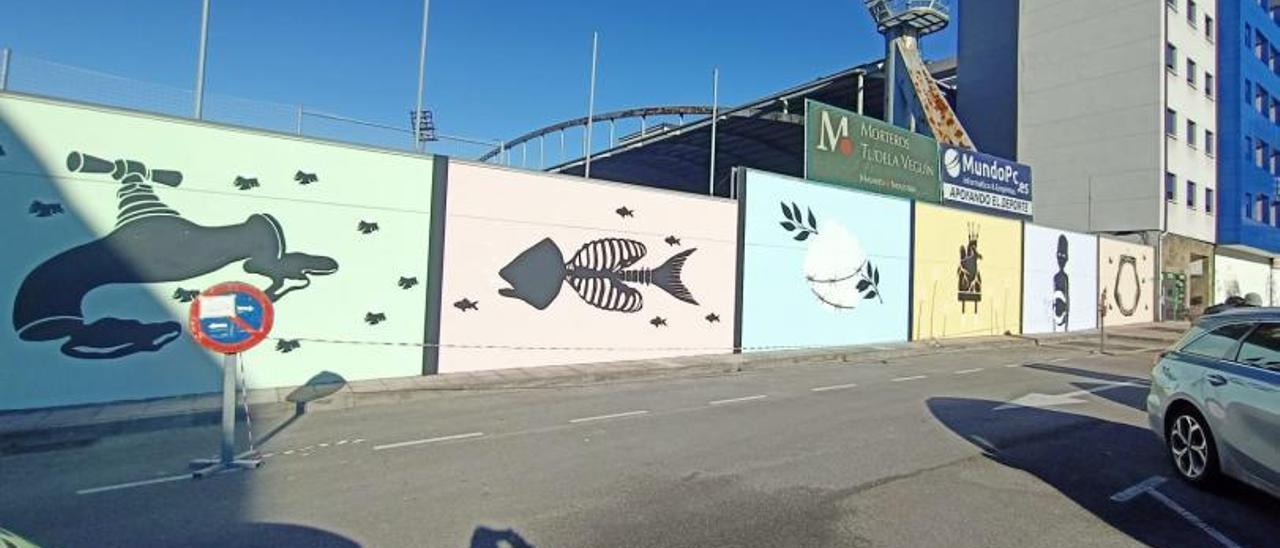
(914,452)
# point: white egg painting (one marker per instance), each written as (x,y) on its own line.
(838,271)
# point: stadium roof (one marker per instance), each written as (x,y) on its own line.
(765,134)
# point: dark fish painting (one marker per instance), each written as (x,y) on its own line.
(467,304)
(41,209)
(658,321)
(599,272)
(375,318)
(185,295)
(624,212)
(366,227)
(672,240)
(713,318)
(286,346)
(246,183)
(407,282)
(304,178)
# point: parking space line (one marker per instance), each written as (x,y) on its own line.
(428,440)
(911,378)
(1148,487)
(610,416)
(737,400)
(968,371)
(833,387)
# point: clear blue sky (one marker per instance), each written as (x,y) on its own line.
(495,69)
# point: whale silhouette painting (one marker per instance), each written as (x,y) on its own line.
(151,243)
(598,272)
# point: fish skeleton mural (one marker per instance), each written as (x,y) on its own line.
(597,272)
(838,271)
(970,280)
(1061,286)
(151,243)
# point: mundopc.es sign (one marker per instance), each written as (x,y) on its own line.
(985,182)
(845,148)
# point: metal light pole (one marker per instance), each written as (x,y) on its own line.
(591,100)
(422,66)
(204,43)
(715,116)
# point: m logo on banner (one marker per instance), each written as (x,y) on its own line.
(832,136)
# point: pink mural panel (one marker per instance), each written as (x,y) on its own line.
(547,270)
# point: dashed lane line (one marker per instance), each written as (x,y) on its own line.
(968,371)
(738,400)
(610,416)
(911,378)
(833,387)
(411,443)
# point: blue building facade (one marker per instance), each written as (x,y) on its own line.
(1249,124)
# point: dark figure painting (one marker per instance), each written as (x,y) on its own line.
(1061,287)
(970,280)
(151,243)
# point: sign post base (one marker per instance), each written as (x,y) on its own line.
(227,460)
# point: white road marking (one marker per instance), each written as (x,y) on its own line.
(1036,399)
(736,400)
(428,440)
(342,442)
(912,378)
(166,479)
(1148,486)
(833,387)
(967,371)
(1011,365)
(1056,360)
(610,416)
(359,440)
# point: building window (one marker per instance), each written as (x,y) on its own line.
(1208,201)
(1191,195)
(1208,143)
(1208,28)
(1263,213)
(1191,12)
(1191,133)
(1259,153)
(1170,187)
(1191,72)
(1275,161)
(1260,100)
(1260,46)
(1274,60)
(1208,84)
(1248,36)
(1170,122)
(1171,57)
(1248,91)
(1248,206)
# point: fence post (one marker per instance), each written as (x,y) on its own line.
(4,68)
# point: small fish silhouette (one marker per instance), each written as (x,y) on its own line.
(658,321)
(375,318)
(246,183)
(287,345)
(467,304)
(407,283)
(672,240)
(366,227)
(624,212)
(41,209)
(599,272)
(713,318)
(185,295)
(304,178)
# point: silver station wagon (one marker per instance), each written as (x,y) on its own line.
(1215,399)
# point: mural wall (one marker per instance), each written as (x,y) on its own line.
(542,269)
(822,265)
(1239,277)
(1060,280)
(124,218)
(1126,272)
(968,274)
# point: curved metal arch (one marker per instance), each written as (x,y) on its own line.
(642,112)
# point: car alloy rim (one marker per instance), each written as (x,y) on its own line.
(1190,446)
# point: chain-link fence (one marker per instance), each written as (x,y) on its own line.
(35,76)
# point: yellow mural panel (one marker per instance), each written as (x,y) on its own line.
(968,274)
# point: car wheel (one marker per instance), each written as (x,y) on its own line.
(1191,448)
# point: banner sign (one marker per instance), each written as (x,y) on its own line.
(987,182)
(845,148)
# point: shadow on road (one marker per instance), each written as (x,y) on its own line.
(1087,373)
(1089,459)
(484,537)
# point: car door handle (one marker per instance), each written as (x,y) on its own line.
(1216,380)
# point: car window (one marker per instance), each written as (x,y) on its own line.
(1262,347)
(1216,343)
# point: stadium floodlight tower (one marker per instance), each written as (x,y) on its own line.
(911,94)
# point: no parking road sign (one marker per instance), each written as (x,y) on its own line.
(231,317)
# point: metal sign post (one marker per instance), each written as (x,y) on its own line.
(229,318)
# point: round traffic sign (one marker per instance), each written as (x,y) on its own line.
(231,317)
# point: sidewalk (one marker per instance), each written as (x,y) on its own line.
(32,428)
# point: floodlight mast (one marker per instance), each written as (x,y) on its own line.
(910,91)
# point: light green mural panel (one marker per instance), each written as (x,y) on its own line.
(121,218)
